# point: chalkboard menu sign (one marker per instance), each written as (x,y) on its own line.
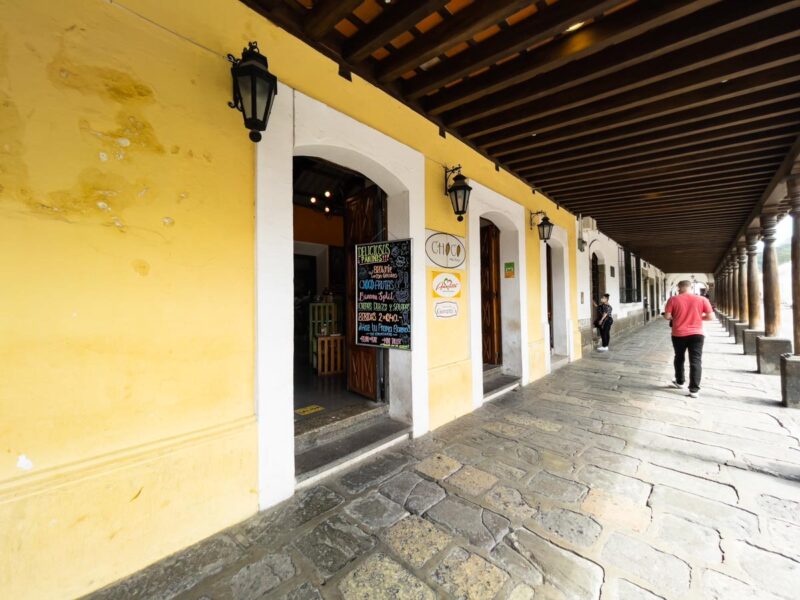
(383,294)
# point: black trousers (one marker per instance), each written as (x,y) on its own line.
(694,344)
(605,332)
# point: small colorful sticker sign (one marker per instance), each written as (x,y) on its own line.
(508,269)
(446,284)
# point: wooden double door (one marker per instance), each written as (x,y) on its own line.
(364,221)
(490,294)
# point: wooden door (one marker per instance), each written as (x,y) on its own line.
(363,222)
(490,294)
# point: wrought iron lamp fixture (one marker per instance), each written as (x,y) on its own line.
(545,227)
(459,190)
(254,89)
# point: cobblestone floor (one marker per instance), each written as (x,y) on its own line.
(597,482)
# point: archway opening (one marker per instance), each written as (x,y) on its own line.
(341,385)
(557,299)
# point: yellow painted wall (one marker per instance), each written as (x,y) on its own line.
(126,260)
(126,309)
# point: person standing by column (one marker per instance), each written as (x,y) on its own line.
(604,322)
(686,313)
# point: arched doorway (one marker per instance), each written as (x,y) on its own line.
(498,320)
(555,283)
(303,127)
(598,277)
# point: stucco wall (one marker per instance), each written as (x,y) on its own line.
(127,329)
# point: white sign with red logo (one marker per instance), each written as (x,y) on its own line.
(446,285)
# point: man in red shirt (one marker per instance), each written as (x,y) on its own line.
(686,313)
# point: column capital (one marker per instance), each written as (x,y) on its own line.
(793,189)
(753,236)
(741,251)
(769,224)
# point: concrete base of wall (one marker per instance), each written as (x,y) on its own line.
(769,351)
(790,380)
(749,340)
(620,328)
(738,332)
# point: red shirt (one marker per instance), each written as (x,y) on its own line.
(687,314)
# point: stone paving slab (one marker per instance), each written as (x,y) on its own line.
(600,483)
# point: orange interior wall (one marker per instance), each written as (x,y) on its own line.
(313,227)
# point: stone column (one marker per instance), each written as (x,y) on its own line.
(743,324)
(755,322)
(769,347)
(790,364)
(735,317)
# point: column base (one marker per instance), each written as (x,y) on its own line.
(732,327)
(769,351)
(749,340)
(790,380)
(738,332)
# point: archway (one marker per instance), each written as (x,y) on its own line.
(497,272)
(555,283)
(301,126)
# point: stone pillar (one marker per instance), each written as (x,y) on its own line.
(743,324)
(769,347)
(790,364)
(772,292)
(734,294)
(754,320)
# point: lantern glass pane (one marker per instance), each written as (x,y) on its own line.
(262,98)
(244,84)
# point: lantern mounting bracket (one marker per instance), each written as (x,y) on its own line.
(448,173)
(533,215)
(251,47)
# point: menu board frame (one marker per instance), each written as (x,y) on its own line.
(408,346)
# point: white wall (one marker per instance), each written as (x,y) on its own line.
(607,251)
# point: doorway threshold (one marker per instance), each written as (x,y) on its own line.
(557,361)
(495,384)
(319,454)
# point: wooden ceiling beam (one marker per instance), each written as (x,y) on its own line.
(734,203)
(678,168)
(594,162)
(724,181)
(326,14)
(462,26)
(570,87)
(710,173)
(667,191)
(548,22)
(741,75)
(587,205)
(395,19)
(747,142)
(733,111)
(613,29)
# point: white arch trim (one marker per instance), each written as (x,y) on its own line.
(509,217)
(562,307)
(300,125)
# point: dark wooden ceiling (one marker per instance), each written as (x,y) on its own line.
(664,120)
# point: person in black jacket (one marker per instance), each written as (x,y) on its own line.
(603,322)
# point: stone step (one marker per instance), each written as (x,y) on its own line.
(352,446)
(498,385)
(331,432)
(490,371)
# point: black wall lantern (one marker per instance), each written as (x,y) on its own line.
(545,227)
(458,191)
(254,89)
